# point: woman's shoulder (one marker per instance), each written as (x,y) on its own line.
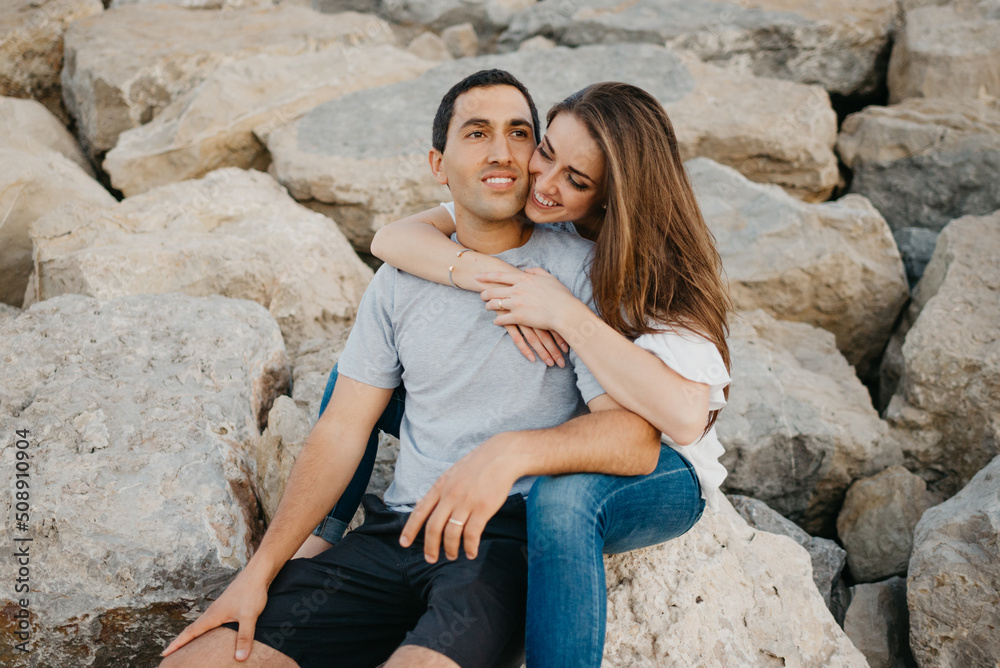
(687,352)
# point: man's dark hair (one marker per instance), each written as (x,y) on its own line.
(481,79)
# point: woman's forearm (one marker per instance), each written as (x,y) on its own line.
(422,249)
(635,378)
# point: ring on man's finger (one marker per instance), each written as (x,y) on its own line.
(500,301)
(452,520)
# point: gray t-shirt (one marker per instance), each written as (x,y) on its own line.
(465,379)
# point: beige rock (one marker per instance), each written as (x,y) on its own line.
(429,46)
(954,580)
(538,43)
(947,51)
(834,265)
(31,184)
(200,4)
(329,159)
(7,311)
(234,233)
(462,40)
(925,162)
(126,65)
(877,623)
(26,125)
(877,521)
(489,18)
(837,45)
(224,120)
(722,594)
(947,400)
(31,47)
(799,427)
(140,414)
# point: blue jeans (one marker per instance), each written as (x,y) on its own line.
(573,520)
(333,526)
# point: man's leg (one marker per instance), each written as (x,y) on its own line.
(411,656)
(217,649)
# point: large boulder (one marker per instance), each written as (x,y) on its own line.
(878,625)
(488,18)
(26,125)
(31,184)
(721,594)
(800,426)
(234,233)
(330,158)
(925,162)
(138,414)
(840,46)
(834,265)
(200,4)
(947,51)
(126,65)
(954,582)
(214,124)
(877,521)
(827,558)
(942,368)
(31,47)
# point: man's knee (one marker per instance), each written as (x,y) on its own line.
(412,656)
(218,648)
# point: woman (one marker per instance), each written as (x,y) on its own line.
(609,162)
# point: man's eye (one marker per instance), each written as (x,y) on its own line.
(476,134)
(521,133)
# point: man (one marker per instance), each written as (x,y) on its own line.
(465,458)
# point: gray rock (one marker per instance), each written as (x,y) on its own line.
(773,131)
(234,233)
(429,46)
(461,40)
(877,623)
(942,367)
(7,311)
(833,265)
(140,412)
(489,18)
(838,45)
(200,4)
(877,521)
(925,162)
(799,427)
(916,245)
(947,51)
(827,557)
(26,125)
(125,65)
(31,47)
(31,184)
(954,581)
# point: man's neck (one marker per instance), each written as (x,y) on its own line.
(491,237)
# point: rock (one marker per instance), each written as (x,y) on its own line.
(313,361)
(948,51)
(200,4)
(429,46)
(220,122)
(916,245)
(877,521)
(139,412)
(330,160)
(276,451)
(234,233)
(826,556)
(26,125)
(840,46)
(954,580)
(877,623)
(31,47)
(834,265)
(126,65)
(947,398)
(538,43)
(721,594)
(799,427)
(488,18)
(461,40)
(7,311)
(31,184)
(924,162)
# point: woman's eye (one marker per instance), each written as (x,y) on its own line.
(578,186)
(542,152)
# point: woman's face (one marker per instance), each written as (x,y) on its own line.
(567,173)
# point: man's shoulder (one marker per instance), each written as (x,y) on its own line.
(572,246)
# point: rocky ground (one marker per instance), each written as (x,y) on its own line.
(188,190)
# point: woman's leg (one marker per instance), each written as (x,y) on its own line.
(573,520)
(333,526)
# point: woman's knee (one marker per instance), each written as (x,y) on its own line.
(564,506)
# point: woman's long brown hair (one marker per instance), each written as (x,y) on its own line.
(655,261)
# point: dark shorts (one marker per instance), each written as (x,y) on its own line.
(355,603)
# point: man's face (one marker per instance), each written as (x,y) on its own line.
(485,160)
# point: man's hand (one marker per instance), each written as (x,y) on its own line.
(242,602)
(470,493)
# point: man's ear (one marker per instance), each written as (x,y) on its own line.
(435,158)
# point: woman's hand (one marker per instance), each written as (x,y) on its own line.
(549,345)
(533,298)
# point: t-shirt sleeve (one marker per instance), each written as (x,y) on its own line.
(585,381)
(370,355)
(692,356)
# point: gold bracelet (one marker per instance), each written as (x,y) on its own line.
(452,267)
